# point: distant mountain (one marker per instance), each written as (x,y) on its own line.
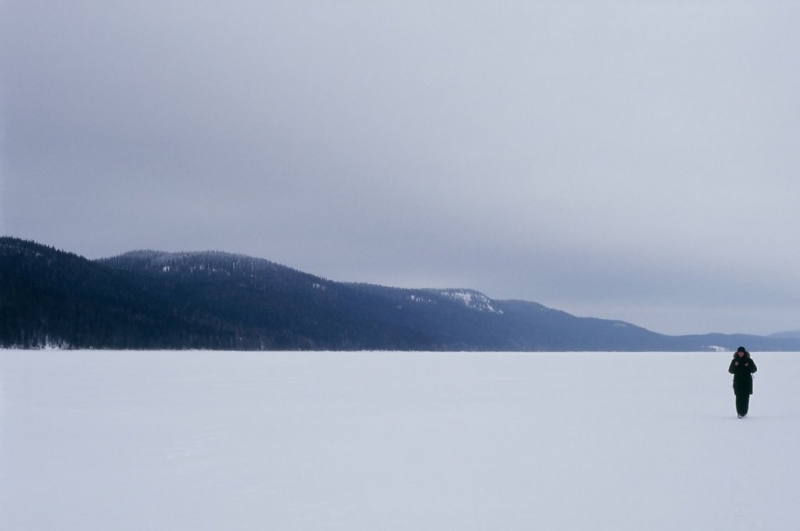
(214,300)
(791,334)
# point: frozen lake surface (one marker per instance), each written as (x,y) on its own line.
(99,441)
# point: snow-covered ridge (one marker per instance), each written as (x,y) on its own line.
(207,262)
(215,264)
(473,300)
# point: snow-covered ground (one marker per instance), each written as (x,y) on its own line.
(99,441)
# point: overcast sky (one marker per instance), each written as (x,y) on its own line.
(634,160)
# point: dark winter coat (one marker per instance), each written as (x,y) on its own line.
(742,369)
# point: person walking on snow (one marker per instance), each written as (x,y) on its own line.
(742,368)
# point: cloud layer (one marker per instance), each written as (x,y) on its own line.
(630,160)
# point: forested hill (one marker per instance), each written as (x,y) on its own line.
(213,300)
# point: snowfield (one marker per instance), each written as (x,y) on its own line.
(100,441)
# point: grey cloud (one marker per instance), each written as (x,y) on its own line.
(627,160)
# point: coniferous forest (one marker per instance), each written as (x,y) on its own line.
(221,301)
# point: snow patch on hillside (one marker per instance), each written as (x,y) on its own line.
(472,300)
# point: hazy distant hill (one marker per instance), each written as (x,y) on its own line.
(213,300)
(790,334)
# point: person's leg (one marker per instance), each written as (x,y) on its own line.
(742,404)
